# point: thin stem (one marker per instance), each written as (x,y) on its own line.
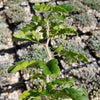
(48,39)
(48,50)
(48,28)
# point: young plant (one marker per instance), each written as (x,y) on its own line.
(52,25)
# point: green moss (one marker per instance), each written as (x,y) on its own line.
(89,79)
(1,19)
(83,19)
(4,35)
(38,53)
(94,4)
(94,42)
(12,2)
(15,14)
(3,73)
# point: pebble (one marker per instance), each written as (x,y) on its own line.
(1,4)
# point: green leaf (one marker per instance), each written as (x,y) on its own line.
(28,93)
(37,98)
(63,82)
(53,66)
(60,17)
(63,36)
(60,29)
(23,36)
(12,67)
(34,18)
(60,94)
(72,56)
(38,75)
(58,49)
(36,36)
(54,76)
(66,30)
(68,8)
(37,6)
(59,9)
(24,95)
(26,36)
(27,28)
(20,66)
(58,82)
(39,64)
(49,87)
(47,7)
(42,7)
(76,93)
(82,58)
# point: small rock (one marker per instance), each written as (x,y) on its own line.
(1,4)
(14,78)
(33,1)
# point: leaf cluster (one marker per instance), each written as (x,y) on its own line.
(51,91)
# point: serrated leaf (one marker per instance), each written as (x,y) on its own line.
(28,93)
(29,27)
(38,64)
(47,7)
(60,94)
(68,8)
(49,87)
(38,75)
(12,67)
(60,29)
(59,9)
(72,56)
(58,49)
(37,98)
(22,65)
(66,30)
(36,36)
(24,95)
(23,36)
(60,17)
(76,93)
(34,18)
(82,58)
(63,36)
(40,89)
(37,6)
(42,7)
(53,66)
(63,81)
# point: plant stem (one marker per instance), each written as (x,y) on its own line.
(48,50)
(48,39)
